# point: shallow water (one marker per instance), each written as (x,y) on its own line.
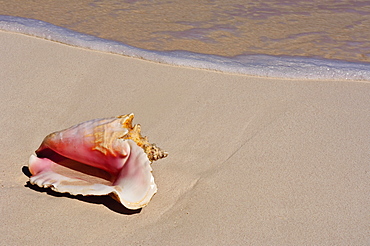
(244,31)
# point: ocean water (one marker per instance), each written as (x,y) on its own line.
(306,39)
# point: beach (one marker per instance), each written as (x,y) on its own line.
(252,160)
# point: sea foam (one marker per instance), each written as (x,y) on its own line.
(254,65)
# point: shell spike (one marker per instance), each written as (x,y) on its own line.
(154,153)
(137,128)
(127,120)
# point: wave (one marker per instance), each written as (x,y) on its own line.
(253,65)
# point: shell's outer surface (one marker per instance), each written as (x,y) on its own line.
(98,157)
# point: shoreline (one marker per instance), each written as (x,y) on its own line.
(257,65)
(251,160)
(324,30)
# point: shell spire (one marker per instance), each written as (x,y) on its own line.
(134,133)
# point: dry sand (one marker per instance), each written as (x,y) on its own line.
(252,161)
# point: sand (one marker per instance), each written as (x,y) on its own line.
(253,161)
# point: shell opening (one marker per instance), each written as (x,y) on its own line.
(74,169)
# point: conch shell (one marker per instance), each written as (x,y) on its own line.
(98,157)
